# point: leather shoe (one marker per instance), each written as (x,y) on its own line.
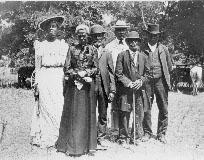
(146,137)
(162,139)
(91,152)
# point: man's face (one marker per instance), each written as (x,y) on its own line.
(153,38)
(97,39)
(134,44)
(120,33)
(82,37)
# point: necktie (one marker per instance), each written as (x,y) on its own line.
(133,55)
(134,58)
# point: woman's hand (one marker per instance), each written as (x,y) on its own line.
(82,73)
(111,97)
(87,79)
(36,92)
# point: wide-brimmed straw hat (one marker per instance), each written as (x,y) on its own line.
(133,35)
(97,29)
(44,25)
(121,24)
(152,29)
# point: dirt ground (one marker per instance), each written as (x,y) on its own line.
(185,132)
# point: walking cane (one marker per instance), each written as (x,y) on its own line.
(134,127)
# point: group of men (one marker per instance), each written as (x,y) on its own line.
(132,72)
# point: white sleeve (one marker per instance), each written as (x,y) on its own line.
(38,48)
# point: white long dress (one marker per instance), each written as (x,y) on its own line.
(49,78)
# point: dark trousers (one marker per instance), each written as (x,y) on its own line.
(124,118)
(102,99)
(157,87)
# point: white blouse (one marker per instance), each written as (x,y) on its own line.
(52,53)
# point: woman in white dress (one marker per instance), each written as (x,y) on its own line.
(50,57)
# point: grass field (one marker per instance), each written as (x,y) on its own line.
(185,132)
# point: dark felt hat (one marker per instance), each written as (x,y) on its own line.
(152,29)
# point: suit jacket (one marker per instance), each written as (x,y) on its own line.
(126,72)
(165,59)
(107,71)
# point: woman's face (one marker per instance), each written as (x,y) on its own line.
(53,28)
(82,37)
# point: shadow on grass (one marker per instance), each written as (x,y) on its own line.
(188,90)
(16,85)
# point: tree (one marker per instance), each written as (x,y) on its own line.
(25,17)
(184,23)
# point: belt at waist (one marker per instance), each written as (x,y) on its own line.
(52,66)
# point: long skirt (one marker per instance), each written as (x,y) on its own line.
(78,132)
(45,125)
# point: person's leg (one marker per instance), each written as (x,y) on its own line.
(115,113)
(124,124)
(161,93)
(147,122)
(102,112)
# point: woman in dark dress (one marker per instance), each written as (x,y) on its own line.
(78,133)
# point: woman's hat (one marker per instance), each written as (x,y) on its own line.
(121,24)
(97,29)
(82,28)
(152,29)
(46,23)
(133,35)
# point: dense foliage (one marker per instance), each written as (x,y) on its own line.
(182,22)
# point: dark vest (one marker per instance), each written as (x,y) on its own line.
(155,68)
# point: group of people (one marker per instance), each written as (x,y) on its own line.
(73,80)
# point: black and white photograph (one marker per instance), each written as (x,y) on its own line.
(102,80)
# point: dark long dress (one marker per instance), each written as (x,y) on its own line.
(78,133)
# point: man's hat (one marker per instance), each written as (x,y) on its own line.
(152,29)
(133,35)
(45,23)
(95,29)
(121,24)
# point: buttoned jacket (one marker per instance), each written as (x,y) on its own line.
(127,71)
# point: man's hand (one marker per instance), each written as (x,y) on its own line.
(131,84)
(137,84)
(111,97)
(82,73)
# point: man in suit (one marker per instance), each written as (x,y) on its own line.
(106,89)
(132,72)
(160,67)
(116,46)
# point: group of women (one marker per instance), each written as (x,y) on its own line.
(65,117)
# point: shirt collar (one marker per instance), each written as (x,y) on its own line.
(152,48)
(117,41)
(151,45)
(131,52)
